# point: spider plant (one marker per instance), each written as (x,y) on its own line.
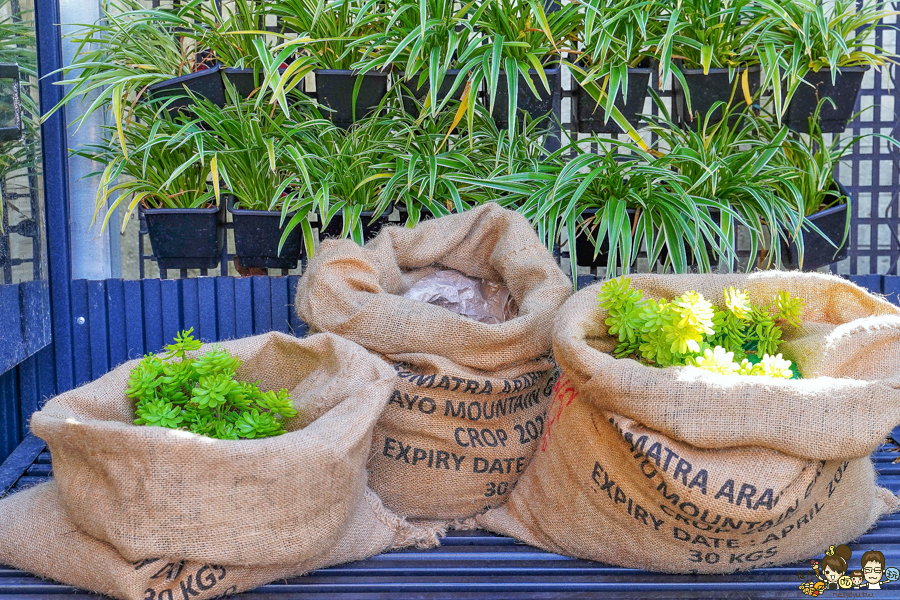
(424,158)
(17,45)
(256,155)
(155,167)
(721,34)
(612,40)
(422,39)
(517,36)
(820,35)
(128,49)
(346,170)
(510,153)
(502,153)
(707,34)
(331,37)
(334,29)
(814,160)
(622,199)
(832,34)
(737,162)
(440,173)
(230,33)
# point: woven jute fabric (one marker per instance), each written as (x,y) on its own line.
(36,535)
(465,410)
(156,492)
(683,470)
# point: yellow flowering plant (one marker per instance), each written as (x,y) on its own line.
(740,339)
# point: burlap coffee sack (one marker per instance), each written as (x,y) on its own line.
(467,403)
(37,536)
(682,470)
(155,492)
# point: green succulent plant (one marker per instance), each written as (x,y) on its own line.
(201,394)
(741,338)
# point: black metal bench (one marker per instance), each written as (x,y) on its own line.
(477,564)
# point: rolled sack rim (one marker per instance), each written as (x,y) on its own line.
(624,385)
(363,273)
(61,425)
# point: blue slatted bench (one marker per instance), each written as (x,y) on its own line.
(477,564)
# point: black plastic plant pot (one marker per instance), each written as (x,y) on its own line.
(526,100)
(819,251)
(186,238)
(590,114)
(207,83)
(246,81)
(334,89)
(844,92)
(585,248)
(257,234)
(420,93)
(708,89)
(370,228)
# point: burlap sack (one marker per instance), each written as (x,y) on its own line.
(683,470)
(37,536)
(152,492)
(467,404)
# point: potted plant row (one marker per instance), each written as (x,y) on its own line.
(259,166)
(281,174)
(251,155)
(421,42)
(611,67)
(521,44)
(827,204)
(804,51)
(513,48)
(665,204)
(182,176)
(454,50)
(345,45)
(169,183)
(828,47)
(796,51)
